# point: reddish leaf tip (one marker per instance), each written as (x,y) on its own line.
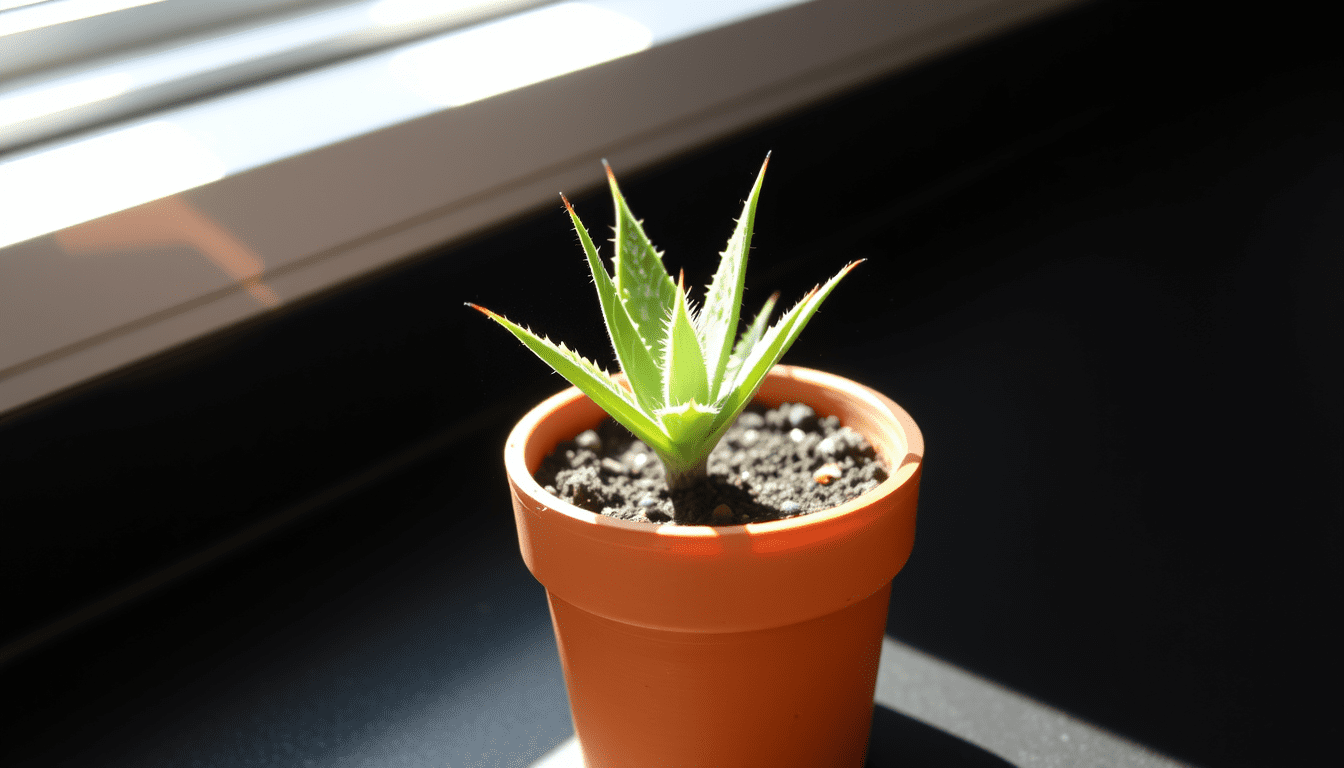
(565,200)
(482,310)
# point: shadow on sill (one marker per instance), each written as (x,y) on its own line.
(895,740)
(898,740)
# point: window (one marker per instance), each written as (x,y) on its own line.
(70,64)
(308,152)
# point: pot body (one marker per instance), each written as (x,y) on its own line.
(737,645)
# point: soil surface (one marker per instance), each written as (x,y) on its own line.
(770,465)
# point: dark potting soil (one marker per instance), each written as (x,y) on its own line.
(771,464)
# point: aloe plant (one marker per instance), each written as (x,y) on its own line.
(688,380)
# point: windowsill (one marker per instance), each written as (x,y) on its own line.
(281,191)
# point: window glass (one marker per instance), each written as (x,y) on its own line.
(66,65)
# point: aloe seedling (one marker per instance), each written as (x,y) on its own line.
(687,380)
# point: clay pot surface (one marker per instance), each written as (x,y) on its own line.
(734,645)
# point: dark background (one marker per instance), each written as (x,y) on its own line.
(1103,275)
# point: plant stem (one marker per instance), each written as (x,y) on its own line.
(679,485)
(677,481)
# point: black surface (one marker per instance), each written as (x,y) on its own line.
(900,741)
(1104,270)
(400,629)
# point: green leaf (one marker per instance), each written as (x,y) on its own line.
(687,425)
(770,348)
(592,381)
(683,361)
(637,360)
(723,300)
(641,280)
(688,382)
(746,344)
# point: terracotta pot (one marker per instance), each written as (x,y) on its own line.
(746,645)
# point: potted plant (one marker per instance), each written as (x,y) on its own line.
(690,644)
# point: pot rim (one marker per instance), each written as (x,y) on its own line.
(900,471)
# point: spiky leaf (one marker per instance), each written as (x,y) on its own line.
(689,383)
(723,299)
(594,382)
(636,359)
(683,361)
(691,423)
(771,347)
(641,280)
(748,341)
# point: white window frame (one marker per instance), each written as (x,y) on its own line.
(306,192)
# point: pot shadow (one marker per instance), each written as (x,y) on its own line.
(897,740)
